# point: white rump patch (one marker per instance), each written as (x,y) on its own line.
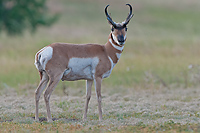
(44,56)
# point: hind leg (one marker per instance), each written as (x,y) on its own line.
(42,85)
(54,80)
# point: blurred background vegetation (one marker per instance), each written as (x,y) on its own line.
(162,48)
(18,15)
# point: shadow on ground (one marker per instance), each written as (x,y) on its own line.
(44,119)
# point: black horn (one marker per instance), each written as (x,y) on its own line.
(129,16)
(109,18)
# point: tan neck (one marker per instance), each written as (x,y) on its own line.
(113,49)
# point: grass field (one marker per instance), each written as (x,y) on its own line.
(154,87)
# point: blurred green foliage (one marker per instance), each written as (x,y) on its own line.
(18,15)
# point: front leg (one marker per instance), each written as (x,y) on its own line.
(98,81)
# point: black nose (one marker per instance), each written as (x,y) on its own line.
(120,38)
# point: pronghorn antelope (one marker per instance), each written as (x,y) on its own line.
(91,62)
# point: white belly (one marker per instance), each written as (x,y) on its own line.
(81,68)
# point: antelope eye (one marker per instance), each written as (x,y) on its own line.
(126,29)
(112,29)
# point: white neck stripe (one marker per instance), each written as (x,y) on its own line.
(118,55)
(112,64)
(115,46)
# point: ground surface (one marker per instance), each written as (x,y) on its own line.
(140,109)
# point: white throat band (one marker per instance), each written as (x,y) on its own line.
(115,46)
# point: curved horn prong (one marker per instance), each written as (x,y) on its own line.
(130,10)
(129,16)
(109,18)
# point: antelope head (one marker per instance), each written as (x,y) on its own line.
(119,30)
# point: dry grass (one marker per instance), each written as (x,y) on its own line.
(145,108)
